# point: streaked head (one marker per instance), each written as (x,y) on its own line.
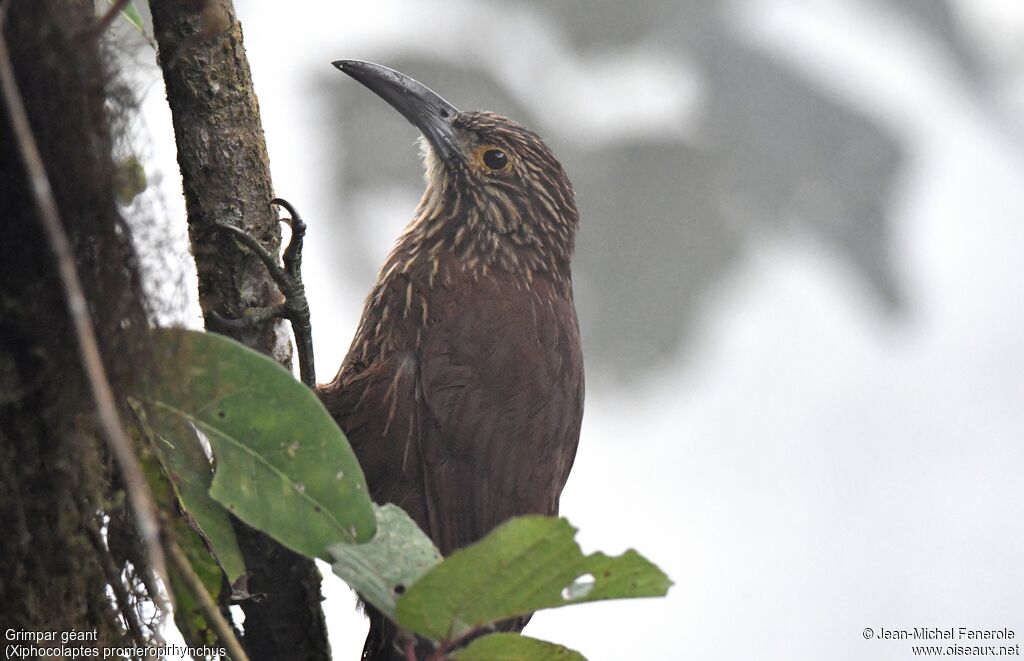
(484,171)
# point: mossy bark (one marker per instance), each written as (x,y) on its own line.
(55,476)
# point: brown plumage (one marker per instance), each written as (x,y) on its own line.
(462,392)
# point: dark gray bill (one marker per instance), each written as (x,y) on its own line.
(427,111)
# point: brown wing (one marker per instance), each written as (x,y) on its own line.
(478,423)
(501,378)
(374,403)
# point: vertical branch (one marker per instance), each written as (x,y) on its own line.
(223,159)
(226,177)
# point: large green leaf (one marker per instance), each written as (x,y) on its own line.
(526,564)
(513,647)
(282,464)
(384,567)
(179,449)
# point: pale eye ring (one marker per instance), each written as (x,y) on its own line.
(495,159)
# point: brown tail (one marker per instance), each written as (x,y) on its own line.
(382,642)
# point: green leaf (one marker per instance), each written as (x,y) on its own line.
(526,564)
(131,13)
(384,567)
(129,180)
(513,647)
(189,617)
(181,454)
(282,464)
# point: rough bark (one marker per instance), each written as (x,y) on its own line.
(54,472)
(225,170)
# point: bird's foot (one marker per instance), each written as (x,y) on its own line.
(288,277)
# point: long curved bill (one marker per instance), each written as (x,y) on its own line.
(423,107)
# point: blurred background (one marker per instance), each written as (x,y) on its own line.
(798,276)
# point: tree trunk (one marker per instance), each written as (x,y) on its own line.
(55,477)
(225,170)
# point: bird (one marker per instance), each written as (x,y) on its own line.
(462,391)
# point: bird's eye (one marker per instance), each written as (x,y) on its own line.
(495,159)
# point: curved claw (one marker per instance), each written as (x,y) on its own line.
(292,256)
(281,202)
(294,220)
(289,281)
